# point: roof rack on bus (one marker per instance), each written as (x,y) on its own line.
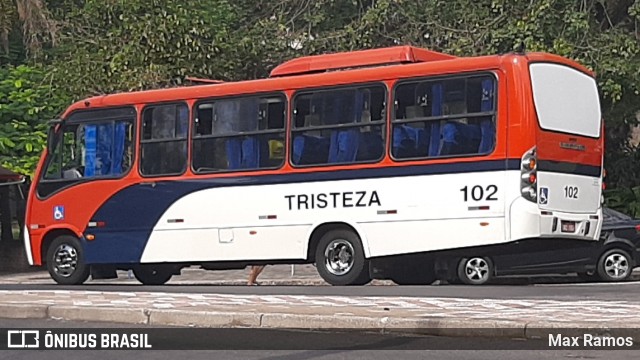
(203,81)
(356,59)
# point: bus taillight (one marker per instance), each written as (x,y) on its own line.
(528,187)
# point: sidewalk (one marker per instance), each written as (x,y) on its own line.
(294,275)
(427,315)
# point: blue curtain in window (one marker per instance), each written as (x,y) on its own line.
(436,110)
(119,138)
(90,144)
(182,125)
(104,149)
(487,127)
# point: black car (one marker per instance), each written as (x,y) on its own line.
(619,250)
(611,258)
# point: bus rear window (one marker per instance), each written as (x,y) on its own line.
(566,100)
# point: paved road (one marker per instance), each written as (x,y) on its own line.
(276,279)
(629,291)
(350,346)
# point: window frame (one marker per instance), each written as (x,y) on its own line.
(156,141)
(434,78)
(213,100)
(71,120)
(384,122)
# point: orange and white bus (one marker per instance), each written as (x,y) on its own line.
(398,163)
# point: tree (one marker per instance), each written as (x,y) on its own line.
(116,45)
(26,103)
(25,28)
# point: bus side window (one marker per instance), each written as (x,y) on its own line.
(164,140)
(239,134)
(445,117)
(338,126)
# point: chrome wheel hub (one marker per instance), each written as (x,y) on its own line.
(477,269)
(339,257)
(616,266)
(65,260)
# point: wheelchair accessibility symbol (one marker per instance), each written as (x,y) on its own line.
(58,212)
(544,195)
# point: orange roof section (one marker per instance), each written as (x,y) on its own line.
(354,59)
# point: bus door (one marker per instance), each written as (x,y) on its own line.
(89,150)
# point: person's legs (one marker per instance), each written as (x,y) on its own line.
(253,275)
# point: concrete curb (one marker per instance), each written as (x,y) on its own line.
(103,314)
(203,318)
(454,327)
(23,311)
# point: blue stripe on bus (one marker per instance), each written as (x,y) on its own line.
(131,214)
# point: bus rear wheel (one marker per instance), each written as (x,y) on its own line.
(476,270)
(65,261)
(153,274)
(340,259)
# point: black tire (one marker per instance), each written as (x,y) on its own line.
(413,273)
(66,262)
(475,270)
(588,277)
(153,274)
(342,246)
(413,279)
(615,265)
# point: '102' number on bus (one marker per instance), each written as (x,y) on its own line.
(478,193)
(571,192)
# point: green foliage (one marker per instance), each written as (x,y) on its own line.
(118,45)
(26,103)
(625,200)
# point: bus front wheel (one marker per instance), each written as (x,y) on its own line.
(153,274)
(340,259)
(65,261)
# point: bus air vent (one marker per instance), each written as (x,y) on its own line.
(357,59)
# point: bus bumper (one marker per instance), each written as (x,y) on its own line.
(528,221)
(27,245)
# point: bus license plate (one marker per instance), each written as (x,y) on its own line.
(568,226)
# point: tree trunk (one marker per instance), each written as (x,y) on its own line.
(6,232)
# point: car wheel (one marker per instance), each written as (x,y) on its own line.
(340,259)
(475,270)
(65,261)
(615,265)
(153,274)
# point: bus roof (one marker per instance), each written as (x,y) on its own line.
(418,61)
